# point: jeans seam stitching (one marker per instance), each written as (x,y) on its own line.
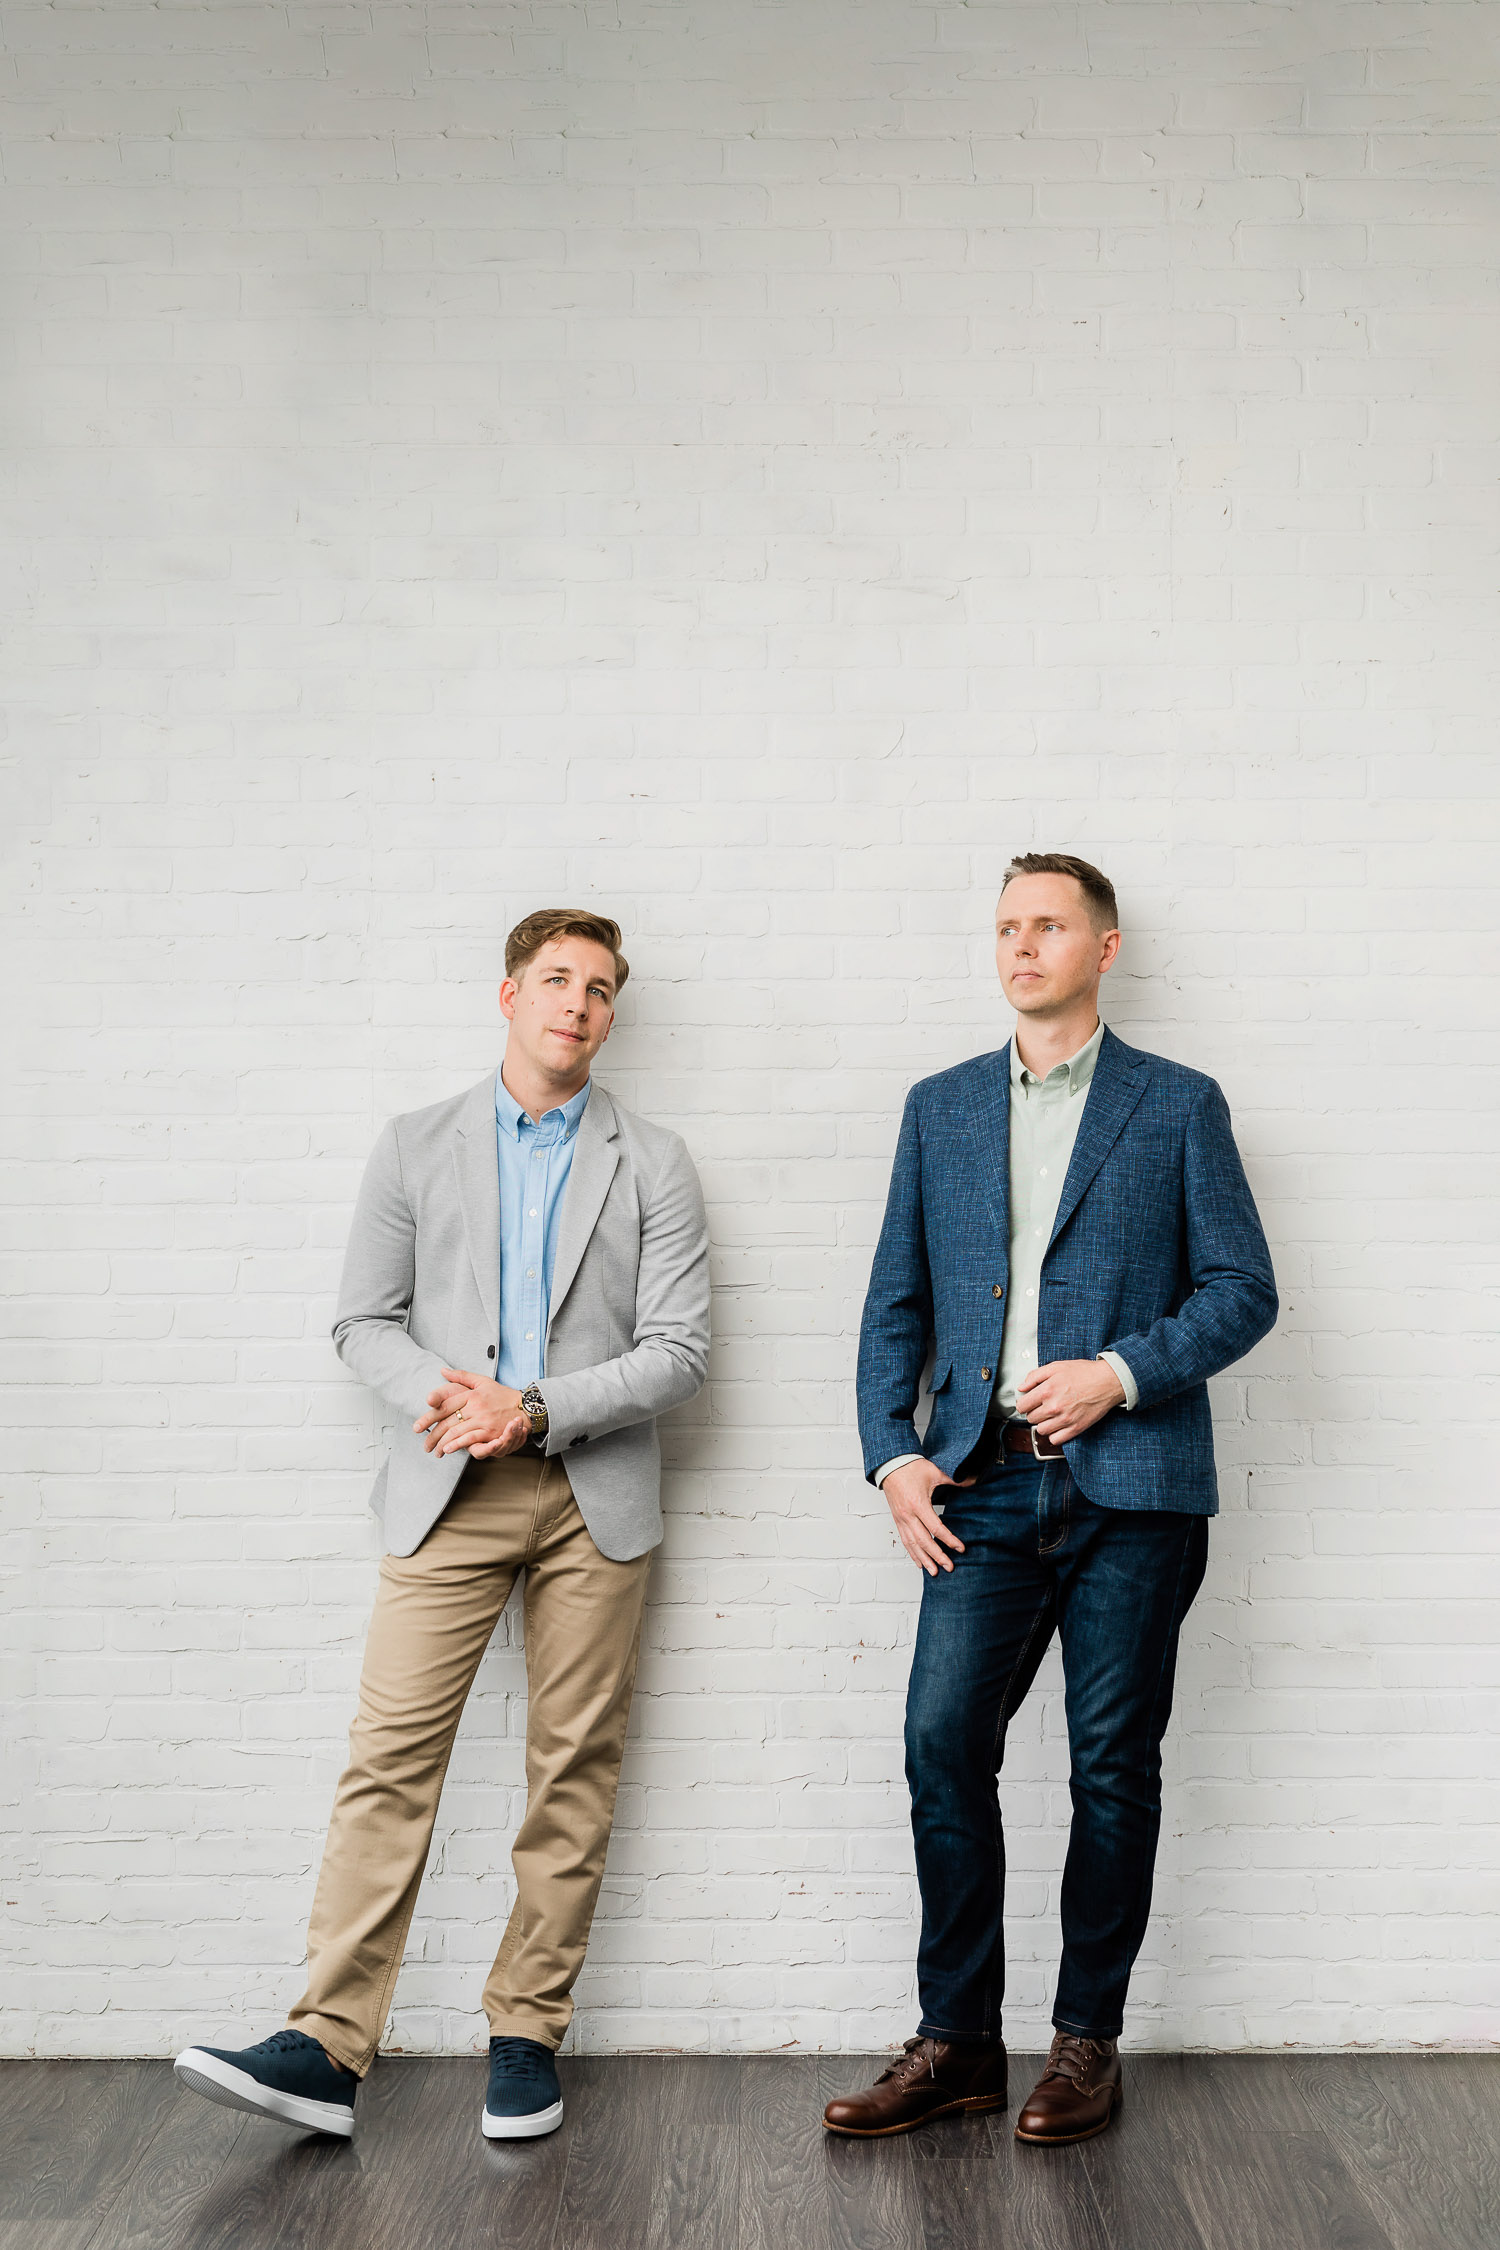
(1168,1654)
(996,1751)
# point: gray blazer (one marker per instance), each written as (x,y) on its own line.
(628,1333)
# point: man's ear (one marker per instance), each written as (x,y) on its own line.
(508,990)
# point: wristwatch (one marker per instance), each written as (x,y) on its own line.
(534,1406)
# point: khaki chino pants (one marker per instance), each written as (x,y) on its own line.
(434,1614)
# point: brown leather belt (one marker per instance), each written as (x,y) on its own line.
(1020,1437)
(1008,1437)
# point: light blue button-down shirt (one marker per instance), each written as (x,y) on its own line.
(535,1160)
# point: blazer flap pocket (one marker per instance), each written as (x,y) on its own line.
(941,1376)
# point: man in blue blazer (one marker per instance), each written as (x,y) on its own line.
(1071,1244)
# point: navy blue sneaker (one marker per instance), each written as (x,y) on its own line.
(524,2099)
(289,2076)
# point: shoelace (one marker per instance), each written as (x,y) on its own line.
(912,2062)
(280,2041)
(1072,2058)
(516,2056)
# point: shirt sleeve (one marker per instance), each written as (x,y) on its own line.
(897,1461)
(1127,1380)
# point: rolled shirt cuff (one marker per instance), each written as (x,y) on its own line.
(897,1461)
(1127,1380)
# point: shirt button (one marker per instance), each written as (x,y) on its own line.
(1044,1171)
(531,1270)
(531,1335)
(531,1214)
(1031,1292)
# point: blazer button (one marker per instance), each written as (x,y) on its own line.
(985,1373)
(582,1440)
(489,1351)
(998,1290)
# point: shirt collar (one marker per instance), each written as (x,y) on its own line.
(1079,1067)
(511,1118)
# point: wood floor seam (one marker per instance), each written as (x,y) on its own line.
(1228,2152)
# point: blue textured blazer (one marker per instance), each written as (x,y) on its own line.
(1157,1253)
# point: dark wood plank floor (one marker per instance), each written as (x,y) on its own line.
(1247,2152)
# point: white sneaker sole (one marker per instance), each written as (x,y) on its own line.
(529,2128)
(219,2081)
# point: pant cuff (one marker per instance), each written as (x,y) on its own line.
(926,2030)
(526,2027)
(331,2045)
(1085,2030)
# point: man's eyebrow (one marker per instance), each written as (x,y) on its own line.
(565,968)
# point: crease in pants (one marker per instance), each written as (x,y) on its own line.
(435,1613)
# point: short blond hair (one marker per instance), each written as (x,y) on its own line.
(534,931)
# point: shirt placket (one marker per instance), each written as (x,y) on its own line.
(1047,1099)
(533,1235)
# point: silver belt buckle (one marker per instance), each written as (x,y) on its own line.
(1037,1453)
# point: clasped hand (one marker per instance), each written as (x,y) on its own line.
(473,1414)
(1068,1396)
(1061,1400)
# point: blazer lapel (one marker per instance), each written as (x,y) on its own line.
(476,1165)
(1116,1086)
(989,1116)
(593,1167)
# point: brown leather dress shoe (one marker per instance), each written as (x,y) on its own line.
(931,2079)
(1077,2094)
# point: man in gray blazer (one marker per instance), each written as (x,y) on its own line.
(526,1284)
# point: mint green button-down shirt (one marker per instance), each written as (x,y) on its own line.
(1045,1113)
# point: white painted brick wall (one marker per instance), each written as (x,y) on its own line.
(754,468)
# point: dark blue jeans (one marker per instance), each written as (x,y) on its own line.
(1116,1584)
